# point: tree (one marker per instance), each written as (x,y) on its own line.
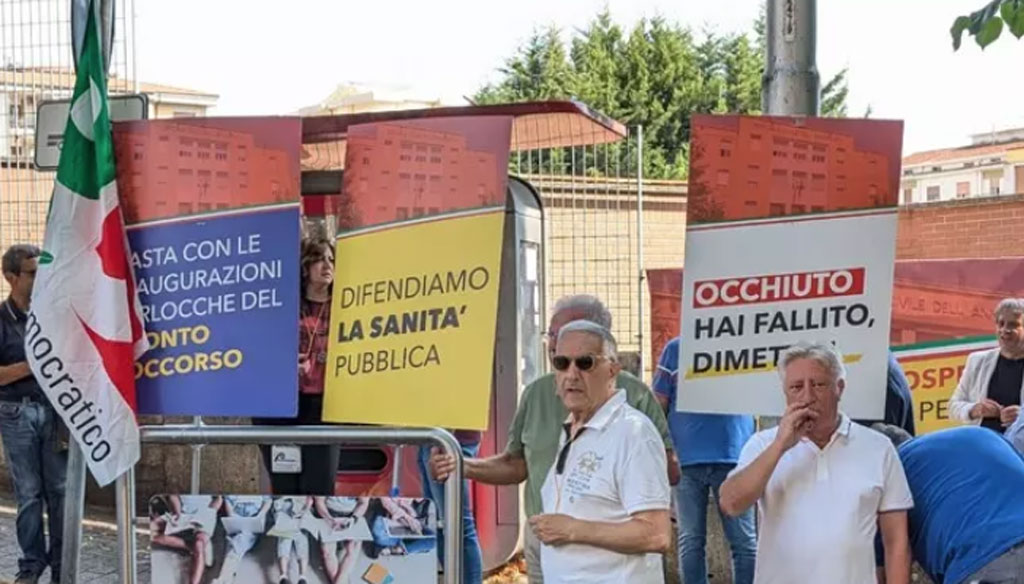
(655,74)
(986,24)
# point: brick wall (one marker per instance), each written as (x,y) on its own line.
(985,227)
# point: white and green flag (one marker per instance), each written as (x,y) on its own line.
(85,328)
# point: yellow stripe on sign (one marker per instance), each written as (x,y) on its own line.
(847,359)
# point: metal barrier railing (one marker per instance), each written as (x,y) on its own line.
(350,435)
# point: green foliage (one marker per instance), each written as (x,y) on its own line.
(986,24)
(656,74)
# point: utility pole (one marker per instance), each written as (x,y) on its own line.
(791,84)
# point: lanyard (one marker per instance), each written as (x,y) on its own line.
(560,463)
(315,329)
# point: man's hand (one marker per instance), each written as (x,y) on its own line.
(441,465)
(1008,415)
(553,529)
(304,365)
(986,408)
(795,424)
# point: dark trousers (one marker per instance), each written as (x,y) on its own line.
(319,462)
(38,465)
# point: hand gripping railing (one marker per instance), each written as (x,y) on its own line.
(355,435)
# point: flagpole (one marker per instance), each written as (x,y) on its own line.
(75,479)
(74,502)
(125,495)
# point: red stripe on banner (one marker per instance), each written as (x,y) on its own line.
(778,287)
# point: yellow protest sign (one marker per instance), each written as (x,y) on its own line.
(413,323)
(933,373)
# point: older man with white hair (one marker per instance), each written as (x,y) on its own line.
(606,500)
(533,436)
(824,485)
(989,391)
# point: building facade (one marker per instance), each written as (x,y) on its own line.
(991,165)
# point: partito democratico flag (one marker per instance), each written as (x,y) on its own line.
(84,328)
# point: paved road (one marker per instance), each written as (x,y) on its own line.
(99,550)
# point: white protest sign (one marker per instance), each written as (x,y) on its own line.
(765,284)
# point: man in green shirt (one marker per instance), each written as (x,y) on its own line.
(533,437)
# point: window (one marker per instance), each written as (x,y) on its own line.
(933,193)
(908,196)
(963,189)
(182,114)
(818,158)
(797,209)
(723,178)
(776,210)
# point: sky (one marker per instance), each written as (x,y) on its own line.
(264,61)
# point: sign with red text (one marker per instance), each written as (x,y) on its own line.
(933,371)
(791,237)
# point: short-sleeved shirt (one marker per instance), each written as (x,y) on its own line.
(968,486)
(614,468)
(537,426)
(12,350)
(818,515)
(698,438)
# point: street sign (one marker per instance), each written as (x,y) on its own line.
(53,115)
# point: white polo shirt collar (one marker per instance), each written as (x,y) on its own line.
(603,415)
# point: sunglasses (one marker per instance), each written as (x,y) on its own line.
(583,363)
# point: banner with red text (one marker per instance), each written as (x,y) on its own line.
(791,237)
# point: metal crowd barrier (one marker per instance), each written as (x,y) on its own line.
(354,435)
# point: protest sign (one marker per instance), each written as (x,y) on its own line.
(414,308)
(933,371)
(791,237)
(213,225)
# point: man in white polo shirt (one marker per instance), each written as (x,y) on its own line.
(824,485)
(606,499)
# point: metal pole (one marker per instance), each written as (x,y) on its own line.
(641,276)
(125,496)
(396,470)
(790,85)
(197,458)
(74,501)
(75,480)
(355,435)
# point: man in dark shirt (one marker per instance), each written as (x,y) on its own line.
(899,404)
(29,427)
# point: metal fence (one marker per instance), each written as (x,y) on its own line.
(36,65)
(593,227)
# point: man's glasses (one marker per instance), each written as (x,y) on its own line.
(583,363)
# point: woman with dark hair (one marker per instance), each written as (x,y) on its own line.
(319,462)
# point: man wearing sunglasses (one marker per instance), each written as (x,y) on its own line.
(35,453)
(533,437)
(606,501)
